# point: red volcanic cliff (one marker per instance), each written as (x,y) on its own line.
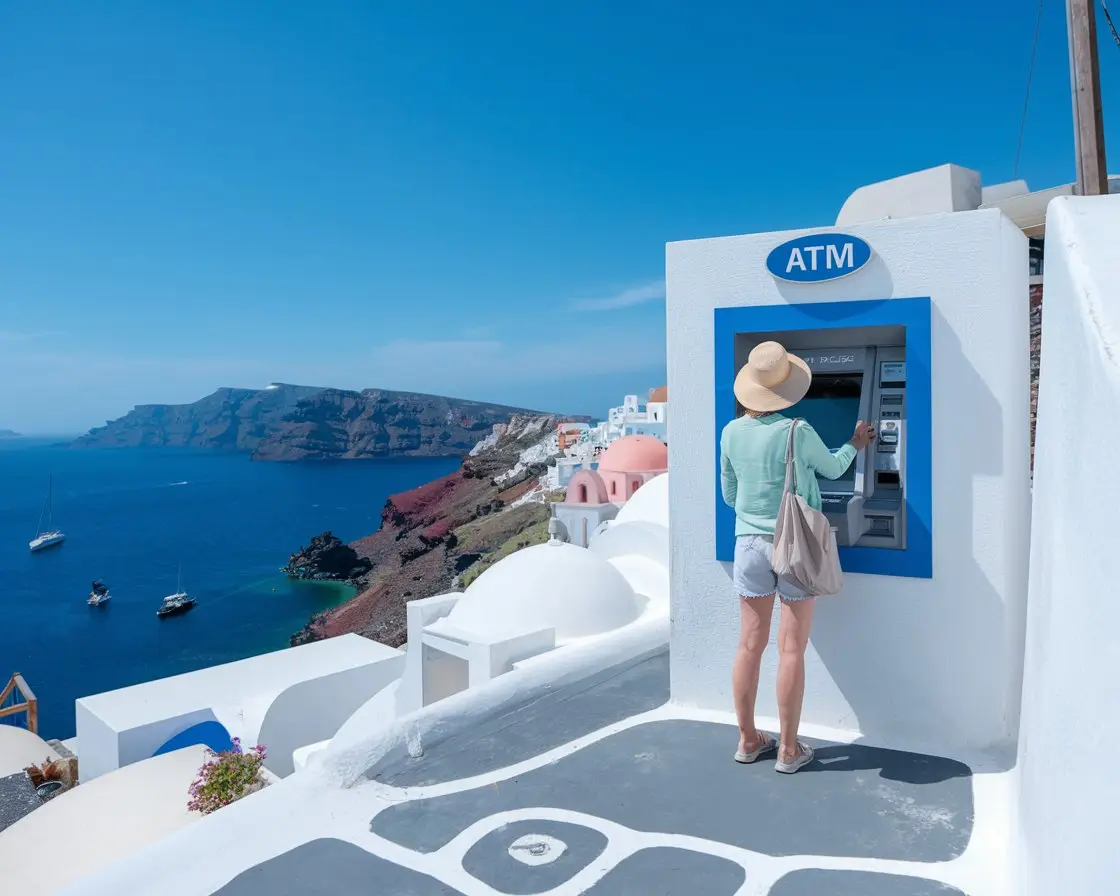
(433,534)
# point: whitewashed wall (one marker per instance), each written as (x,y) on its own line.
(312,711)
(901,660)
(1069,783)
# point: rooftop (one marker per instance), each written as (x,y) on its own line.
(268,673)
(602,787)
(635,454)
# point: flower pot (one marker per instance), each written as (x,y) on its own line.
(48,789)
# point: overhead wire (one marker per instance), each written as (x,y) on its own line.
(1111,27)
(1027,98)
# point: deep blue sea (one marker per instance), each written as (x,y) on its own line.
(131,517)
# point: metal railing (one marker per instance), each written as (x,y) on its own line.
(18,705)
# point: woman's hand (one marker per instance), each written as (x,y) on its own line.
(863,436)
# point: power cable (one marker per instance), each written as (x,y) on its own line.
(1027,98)
(1111,27)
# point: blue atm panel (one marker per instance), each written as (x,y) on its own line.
(870,361)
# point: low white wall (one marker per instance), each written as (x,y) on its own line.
(1069,784)
(98,742)
(419,613)
(357,747)
(127,725)
(92,826)
(314,710)
(925,661)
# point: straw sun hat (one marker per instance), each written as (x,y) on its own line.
(772,379)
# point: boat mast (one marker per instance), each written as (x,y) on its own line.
(50,502)
(43,510)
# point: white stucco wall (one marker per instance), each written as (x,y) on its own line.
(100,750)
(119,727)
(313,711)
(1068,785)
(923,661)
(946,188)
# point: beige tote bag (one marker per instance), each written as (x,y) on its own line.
(804,541)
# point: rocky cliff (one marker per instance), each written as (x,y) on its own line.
(286,422)
(326,558)
(447,531)
(9,434)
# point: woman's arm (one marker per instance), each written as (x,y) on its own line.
(816,456)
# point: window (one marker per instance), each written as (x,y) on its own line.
(614,486)
(1036,250)
(583,494)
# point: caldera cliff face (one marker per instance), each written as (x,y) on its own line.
(286,423)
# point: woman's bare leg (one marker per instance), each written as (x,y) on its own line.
(793,637)
(754,633)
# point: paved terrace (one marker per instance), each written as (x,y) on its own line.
(603,789)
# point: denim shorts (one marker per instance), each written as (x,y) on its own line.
(754,574)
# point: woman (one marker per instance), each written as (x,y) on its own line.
(753,469)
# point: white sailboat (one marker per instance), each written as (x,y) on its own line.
(49,537)
(177,603)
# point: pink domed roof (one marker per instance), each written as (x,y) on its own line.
(635,454)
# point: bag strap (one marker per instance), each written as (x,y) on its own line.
(791,467)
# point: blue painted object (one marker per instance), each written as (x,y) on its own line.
(818,257)
(210,734)
(916,560)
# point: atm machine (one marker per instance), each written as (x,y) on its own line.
(858,374)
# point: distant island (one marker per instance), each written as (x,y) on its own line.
(9,434)
(286,423)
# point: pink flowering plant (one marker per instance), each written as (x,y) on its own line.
(226,777)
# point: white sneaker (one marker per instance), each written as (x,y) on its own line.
(804,757)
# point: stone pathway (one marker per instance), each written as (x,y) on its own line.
(604,789)
(17,799)
(646,804)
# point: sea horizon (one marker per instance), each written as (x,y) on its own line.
(131,517)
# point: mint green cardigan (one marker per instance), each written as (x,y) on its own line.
(753,468)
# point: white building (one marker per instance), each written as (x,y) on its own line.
(595,496)
(285,700)
(632,417)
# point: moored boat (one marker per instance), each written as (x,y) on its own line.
(178,603)
(49,537)
(99,594)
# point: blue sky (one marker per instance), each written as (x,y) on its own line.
(464,198)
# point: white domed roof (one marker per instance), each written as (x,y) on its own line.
(650,503)
(555,585)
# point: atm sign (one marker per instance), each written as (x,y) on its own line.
(818,257)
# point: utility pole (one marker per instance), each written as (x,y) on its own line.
(1085,80)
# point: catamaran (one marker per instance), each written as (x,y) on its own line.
(49,537)
(177,603)
(99,594)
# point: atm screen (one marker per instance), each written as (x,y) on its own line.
(831,407)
